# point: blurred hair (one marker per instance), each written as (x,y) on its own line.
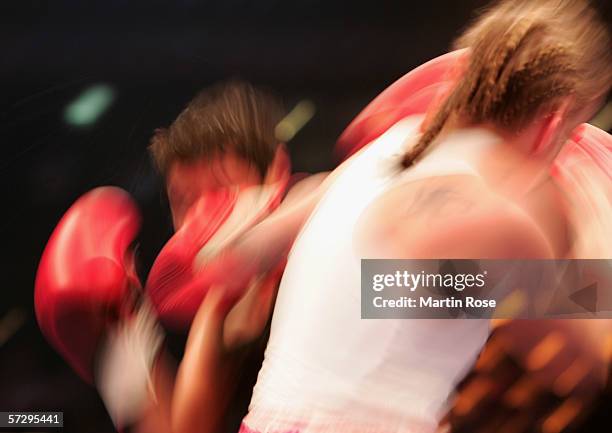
(229,116)
(525,57)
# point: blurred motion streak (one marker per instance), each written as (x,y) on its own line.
(295,120)
(570,378)
(521,392)
(472,395)
(513,305)
(545,351)
(562,417)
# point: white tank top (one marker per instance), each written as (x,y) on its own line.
(325,368)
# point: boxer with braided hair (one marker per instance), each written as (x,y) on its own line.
(526,57)
(476,183)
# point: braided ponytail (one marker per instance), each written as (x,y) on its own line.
(526,56)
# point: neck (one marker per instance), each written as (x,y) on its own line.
(504,160)
(511,170)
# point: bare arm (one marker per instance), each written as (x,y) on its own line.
(264,246)
(208,372)
(248,318)
(156,417)
(234,312)
(269,241)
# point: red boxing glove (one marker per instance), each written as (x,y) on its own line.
(414,93)
(86,274)
(176,284)
(170,283)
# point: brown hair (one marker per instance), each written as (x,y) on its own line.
(230,116)
(525,56)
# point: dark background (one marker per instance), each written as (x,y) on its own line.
(157,55)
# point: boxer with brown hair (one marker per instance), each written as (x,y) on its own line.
(223,170)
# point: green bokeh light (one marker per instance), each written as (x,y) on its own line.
(89,105)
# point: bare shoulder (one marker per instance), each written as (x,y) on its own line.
(453,217)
